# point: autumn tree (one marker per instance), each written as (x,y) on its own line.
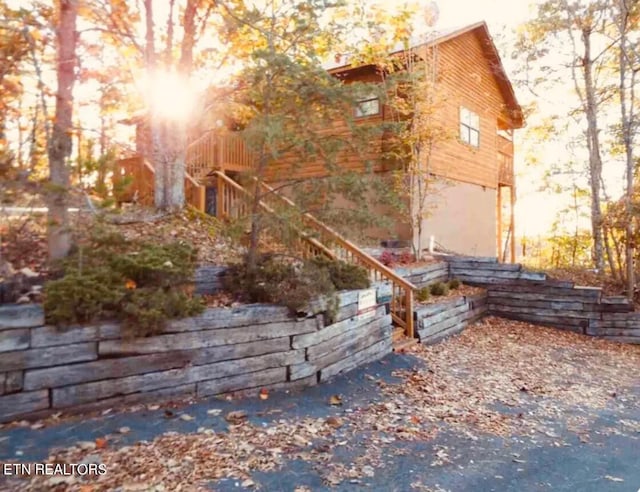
(59,145)
(626,15)
(287,101)
(573,26)
(416,97)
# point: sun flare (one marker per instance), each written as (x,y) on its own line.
(170,96)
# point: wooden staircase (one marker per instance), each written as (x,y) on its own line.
(322,240)
(401,342)
(209,157)
(134,181)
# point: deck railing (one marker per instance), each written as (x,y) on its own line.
(505,169)
(329,243)
(213,151)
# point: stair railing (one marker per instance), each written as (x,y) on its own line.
(401,304)
(232,203)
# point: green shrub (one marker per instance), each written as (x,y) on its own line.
(291,283)
(423,294)
(140,284)
(454,284)
(343,275)
(276,281)
(439,289)
(145,310)
(80,298)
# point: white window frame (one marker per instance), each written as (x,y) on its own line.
(469,127)
(368,106)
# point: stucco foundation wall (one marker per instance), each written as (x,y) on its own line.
(463,218)
(44,369)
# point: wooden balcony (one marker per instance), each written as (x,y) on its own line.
(505,170)
(215,152)
(505,161)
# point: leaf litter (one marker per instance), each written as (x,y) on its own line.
(541,375)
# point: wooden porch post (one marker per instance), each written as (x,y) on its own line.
(499,224)
(219,197)
(202,200)
(513,222)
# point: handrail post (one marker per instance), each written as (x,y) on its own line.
(219,197)
(202,191)
(409,312)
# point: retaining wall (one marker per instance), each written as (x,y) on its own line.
(44,369)
(425,275)
(518,294)
(434,322)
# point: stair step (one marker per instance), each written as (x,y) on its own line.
(403,344)
(398,333)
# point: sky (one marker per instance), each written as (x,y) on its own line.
(495,12)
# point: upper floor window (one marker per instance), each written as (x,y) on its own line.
(368,106)
(469,127)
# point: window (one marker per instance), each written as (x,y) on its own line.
(469,127)
(368,106)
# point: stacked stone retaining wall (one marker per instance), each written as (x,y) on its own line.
(45,369)
(516,293)
(435,322)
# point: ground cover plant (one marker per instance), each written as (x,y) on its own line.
(138,282)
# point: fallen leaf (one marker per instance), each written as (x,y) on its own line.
(248,483)
(334,422)
(87,445)
(236,416)
(186,417)
(335,400)
(264,394)
(124,430)
(300,441)
(214,411)
(614,479)
(101,443)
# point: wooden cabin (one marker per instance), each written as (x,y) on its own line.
(473,172)
(474,180)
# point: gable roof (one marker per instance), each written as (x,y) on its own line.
(491,52)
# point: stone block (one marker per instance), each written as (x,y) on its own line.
(242,382)
(14,339)
(50,336)
(21,316)
(48,357)
(19,404)
(207,338)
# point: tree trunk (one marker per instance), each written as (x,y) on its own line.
(610,259)
(593,144)
(627,102)
(59,145)
(170,137)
